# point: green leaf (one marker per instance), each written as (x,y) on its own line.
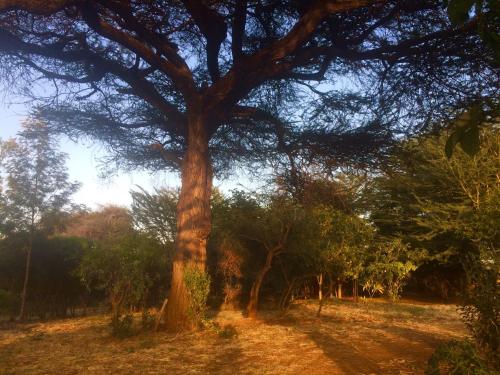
(452,141)
(470,140)
(466,131)
(458,10)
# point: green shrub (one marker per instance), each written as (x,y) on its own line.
(147,320)
(481,309)
(457,358)
(229,331)
(121,327)
(8,302)
(198,285)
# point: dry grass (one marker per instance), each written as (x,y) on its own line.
(365,338)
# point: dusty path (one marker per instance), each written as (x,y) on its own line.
(367,338)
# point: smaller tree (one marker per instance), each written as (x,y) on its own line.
(332,243)
(229,265)
(261,226)
(198,286)
(390,267)
(125,264)
(156,214)
(37,183)
(125,270)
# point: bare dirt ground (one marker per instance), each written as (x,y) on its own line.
(373,337)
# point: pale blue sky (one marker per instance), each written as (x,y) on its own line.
(83,167)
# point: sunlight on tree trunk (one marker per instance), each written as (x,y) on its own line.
(254,292)
(320,286)
(330,286)
(355,290)
(319,278)
(193,222)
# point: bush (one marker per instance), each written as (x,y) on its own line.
(121,327)
(229,331)
(8,302)
(457,357)
(147,320)
(481,309)
(198,285)
(126,268)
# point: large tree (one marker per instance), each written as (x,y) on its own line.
(198,86)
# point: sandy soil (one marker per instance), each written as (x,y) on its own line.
(371,337)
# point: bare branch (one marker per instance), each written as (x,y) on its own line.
(34,6)
(11,44)
(265,64)
(181,78)
(213,27)
(238,29)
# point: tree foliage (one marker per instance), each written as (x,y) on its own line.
(203,87)
(250,65)
(450,207)
(37,184)
(128,266)
(155,214)
(36,178)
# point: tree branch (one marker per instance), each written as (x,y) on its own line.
(159,42)
(213,27)
(265,64)
(238,29)
(34,6)
(181,77)
(11,44)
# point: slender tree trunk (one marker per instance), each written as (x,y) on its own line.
(287,296)
(159,316)
(355,290)
(254,292)
(339,290)
(27,272)
(26,280)
(193,221)
(30,248)
(320,293)
(330,286)
(320,287)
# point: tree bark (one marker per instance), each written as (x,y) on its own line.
(27,272)
(193,221)
(22,311)
(319,278)
(254,292)
(330,286)
(287,296)
(339,290)
(355,290)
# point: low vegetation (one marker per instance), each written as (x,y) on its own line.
(373,336)
(301,248)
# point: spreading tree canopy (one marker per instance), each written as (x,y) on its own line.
(203,86)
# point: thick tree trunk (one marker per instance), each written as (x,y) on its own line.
(254,292)
(193,221)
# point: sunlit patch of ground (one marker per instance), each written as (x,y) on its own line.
(365,338)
